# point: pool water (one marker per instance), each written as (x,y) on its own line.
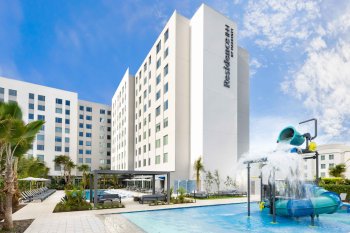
(232,218)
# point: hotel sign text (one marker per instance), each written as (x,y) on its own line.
(229,33)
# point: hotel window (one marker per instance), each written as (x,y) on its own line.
(66,140)
(81,160)
(81,125)
(323,157)
(157,143)
(159,46)
(158,95)
(166,35)
(323,166)
(81,134)
(165,157)
(88,135)
(41,117)
(149,89)
(166,70)
(41,97)
(102,111)
(41,107)
(145,67)
(331,156)
(145,94)
(165,140)
(58,101)
(59,110)
(149,161)
(149,103)
(323,174)
(58,120)
(67,130)
(158,79)
(81,117)
(88,152)
(81,108)
(109,113)
(166,53)
(88,126)
(40,137)
(67,112)
(40,147)
(81,152)
(12,92)
(88,143)
(58,139)
(31,96)
(40,157)
(31,106)
(58,129)
(144,162)
(87,160)
(166,105)
(157,127)
(149,60)
(144,135)
(67,102)
(139,163)
(89,118)
(159,62)
(58,148)
(165,123)
(67,121)
(158,111)
(149,146)
(149,117)
(166,88)
(331,165)
(144,148)
(157,159)
(88,109)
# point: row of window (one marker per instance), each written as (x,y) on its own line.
(89,109)
(330,157)
(59,120)
(59,130)
(157,145)
(157,161)
(323,166)
(40,117)
(87,152)
(60,101)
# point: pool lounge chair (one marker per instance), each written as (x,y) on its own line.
(200,194)
(151,197)
(108,197)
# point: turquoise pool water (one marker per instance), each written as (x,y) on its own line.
(232,218)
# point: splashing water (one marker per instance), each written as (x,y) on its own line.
(288,168)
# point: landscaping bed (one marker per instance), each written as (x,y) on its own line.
(20,226)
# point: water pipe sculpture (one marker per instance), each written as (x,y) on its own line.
(312,200)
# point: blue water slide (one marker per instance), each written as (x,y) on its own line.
(321,201)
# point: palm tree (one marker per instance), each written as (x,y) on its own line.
(85,169)
(16,139)
(198,168)
(67,164)
(338,170)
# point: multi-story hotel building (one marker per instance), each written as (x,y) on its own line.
(191,98)
(123,103)
(61,111)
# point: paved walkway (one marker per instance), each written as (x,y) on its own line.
(94,221)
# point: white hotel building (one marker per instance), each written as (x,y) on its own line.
(191,99)
(79,129)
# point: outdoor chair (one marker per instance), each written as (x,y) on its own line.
(151,197)
(108,197)
(200,194)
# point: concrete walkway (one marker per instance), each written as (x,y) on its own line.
(99,221)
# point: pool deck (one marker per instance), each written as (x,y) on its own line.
(104,221)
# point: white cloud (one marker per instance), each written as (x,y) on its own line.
(254,64)
(275,23)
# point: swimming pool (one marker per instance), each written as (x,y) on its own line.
(232,218)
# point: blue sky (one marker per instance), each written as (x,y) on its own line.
(300,52)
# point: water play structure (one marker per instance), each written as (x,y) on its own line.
(296,198)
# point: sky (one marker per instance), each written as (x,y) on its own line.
(299,53)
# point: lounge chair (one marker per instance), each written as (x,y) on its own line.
(151,197)
(199,194)
(108,197)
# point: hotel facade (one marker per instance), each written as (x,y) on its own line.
(191,100)
(76,128)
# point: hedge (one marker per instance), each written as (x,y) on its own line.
(341,188)
(335,180)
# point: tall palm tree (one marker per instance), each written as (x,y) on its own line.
(67,164)
(16,139)
(85,169)
(198,168)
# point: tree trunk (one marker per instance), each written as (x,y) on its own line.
(9,191)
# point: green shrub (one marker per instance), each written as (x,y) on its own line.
(181,195)
(338,189)
(73,201)
(335,180)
